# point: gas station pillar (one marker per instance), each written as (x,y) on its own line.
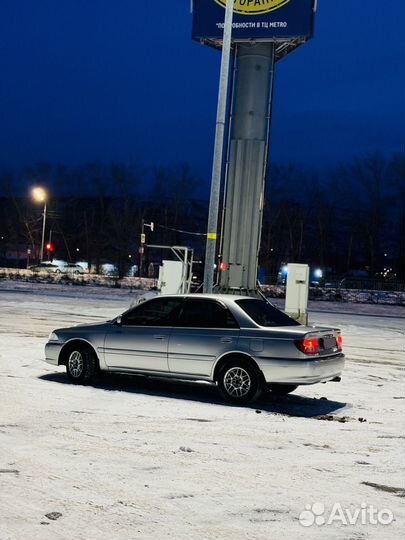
(246,167)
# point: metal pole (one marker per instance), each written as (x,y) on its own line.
(41,256)
(218,151)
(185,269)
(141,248)
(50,241)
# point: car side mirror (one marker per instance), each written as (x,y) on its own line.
(118,321)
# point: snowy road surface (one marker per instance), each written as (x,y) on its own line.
(135,459)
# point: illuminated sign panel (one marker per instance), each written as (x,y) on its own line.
(254,7)
(254,19)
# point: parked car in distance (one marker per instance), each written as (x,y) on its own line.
(72,269)
(51,268)
(239,343)
(45,267)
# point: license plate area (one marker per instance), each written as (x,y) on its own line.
(329,343)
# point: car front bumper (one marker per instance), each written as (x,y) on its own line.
(52,350)
(302,371)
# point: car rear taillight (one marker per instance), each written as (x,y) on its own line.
(308,346)
(339,342)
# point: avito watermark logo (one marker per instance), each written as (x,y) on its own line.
(317,514)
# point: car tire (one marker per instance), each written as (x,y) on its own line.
(282,389)
(81,364)
(239,382)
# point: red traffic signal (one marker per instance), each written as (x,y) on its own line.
(49,247)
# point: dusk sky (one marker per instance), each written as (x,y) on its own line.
(85,80)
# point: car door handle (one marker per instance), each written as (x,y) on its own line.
(226,340)
(160,338)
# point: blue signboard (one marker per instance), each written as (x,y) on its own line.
(254,19)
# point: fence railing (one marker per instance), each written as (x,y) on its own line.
(360,291)
(77,279)
(368,284)
(371,284)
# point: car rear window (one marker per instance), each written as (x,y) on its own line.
(265,314)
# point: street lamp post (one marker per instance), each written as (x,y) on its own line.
(43,232)
(40,195)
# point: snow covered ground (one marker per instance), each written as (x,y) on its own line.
(135,459)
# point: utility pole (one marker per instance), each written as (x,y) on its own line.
(141,247)
(218,151)
(150,226)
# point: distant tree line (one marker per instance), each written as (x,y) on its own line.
(94,213)
(352,218)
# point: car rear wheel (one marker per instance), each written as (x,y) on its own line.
(282,389)
(81,364)
(239,382)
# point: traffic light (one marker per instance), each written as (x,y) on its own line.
(49,247)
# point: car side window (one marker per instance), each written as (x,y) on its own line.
(205,314)
(156,312)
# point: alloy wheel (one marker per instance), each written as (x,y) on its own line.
(237,382)
(76,364)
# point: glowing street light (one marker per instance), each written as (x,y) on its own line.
(40,195)
(318,273)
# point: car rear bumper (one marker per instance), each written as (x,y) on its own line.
(52,350)
(302,371)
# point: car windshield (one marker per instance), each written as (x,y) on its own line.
(265,314)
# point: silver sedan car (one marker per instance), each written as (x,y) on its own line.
(239,343)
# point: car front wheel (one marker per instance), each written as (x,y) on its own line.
(81,365)
(239,382)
